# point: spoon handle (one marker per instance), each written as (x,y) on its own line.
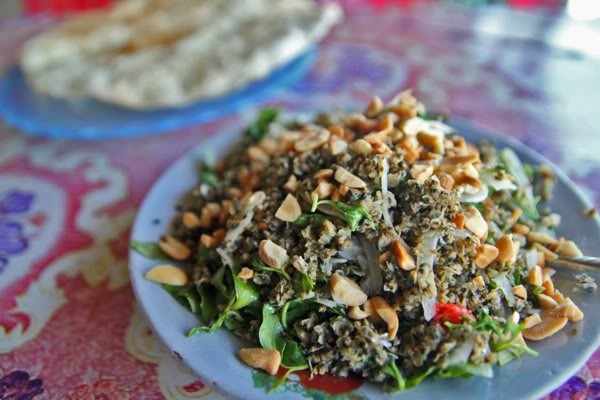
(577,263)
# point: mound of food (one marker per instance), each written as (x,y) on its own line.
(379,243)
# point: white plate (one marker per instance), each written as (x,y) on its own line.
(213,356)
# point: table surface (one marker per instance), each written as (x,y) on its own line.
(69,324)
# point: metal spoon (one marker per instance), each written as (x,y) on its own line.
(577,263)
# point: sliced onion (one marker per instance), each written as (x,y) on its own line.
(327,302)
(462,234)
(476,197)
(225,257)
(531,258)
(506,288)
(483,370)
(426,259)
(461,353)
(498,184)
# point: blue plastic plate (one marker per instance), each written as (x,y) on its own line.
(42,115)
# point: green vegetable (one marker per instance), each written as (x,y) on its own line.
(536,290)
(466,370)
(202,253)
(306,219)
(517,275)
(270,335)
(186,296)
(302,282)
(243,295)
(149,250)
(259,128)
(352,215)
(259,265)
(208,308)
(208,174)
(391,369)
(295,309)
(416,379)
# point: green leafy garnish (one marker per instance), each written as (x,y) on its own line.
(186,296)
(295,309)
(260,266)
(149,250)
(271,336)
(391,369)
(302,282)
(244,294)
(208,307)
(352,215)
(536,290)
(517,275)
(259,128)
(306,219)
(208,174)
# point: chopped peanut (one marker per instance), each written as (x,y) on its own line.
(207,241)
(219,234)
(548,285)
(421,172)
(268,360)
(292,184)
(388,314)
(520,291)
(403,257)
(506,247)
(432,139)
(361,147)
(190,220)
(521,229)
(167,274)
(486,253)
(568,248)
(571,311)
(255,153)
(337,146)
(246,273)
(538,237)
(345,291)
(548,255)
(356,313)
(323,174)
(546,302)
(383,149)
(475,222)
(459,220)
(374,108)
(272,254)
(478,281)
(289,210)
(312,141)
(548,326)
(342,175)
(325,189)
(558,296)
(535,276)
(532,320)
(174,248)
(446,181)
(343,189)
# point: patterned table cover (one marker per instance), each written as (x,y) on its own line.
(69,325)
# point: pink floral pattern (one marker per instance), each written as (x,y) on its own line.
(68,317)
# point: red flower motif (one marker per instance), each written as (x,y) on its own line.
(104,389)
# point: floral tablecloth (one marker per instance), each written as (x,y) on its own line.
(69,326)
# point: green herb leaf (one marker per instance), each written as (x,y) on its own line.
(208,174)
(245,293)
(269,333)
(257,130)
(517,275)
(202,254)
(295,309)
(302,282)
(536,290)
(352,215)
(292,356)
(208,308)
(416,379)
(149,250)
(259,265)
(234,320)
(186,296)
(218,280)
(306,219)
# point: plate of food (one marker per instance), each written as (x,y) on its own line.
(366,255)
